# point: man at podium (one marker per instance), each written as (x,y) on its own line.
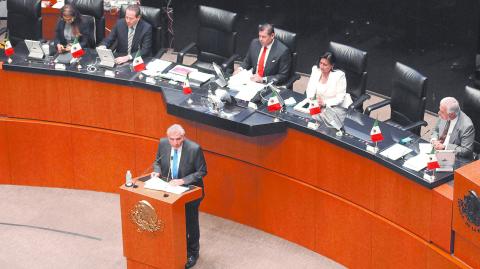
(181,161)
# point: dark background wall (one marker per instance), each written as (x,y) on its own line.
(436,37)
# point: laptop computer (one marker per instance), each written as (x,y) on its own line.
(446,160)
(34,49)
(107,59)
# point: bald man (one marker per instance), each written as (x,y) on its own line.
(454,130)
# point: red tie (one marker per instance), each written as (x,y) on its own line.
(261,66)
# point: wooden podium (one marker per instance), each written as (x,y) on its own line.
(153,227)
(466,214)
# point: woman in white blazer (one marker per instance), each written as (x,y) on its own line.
(327,85)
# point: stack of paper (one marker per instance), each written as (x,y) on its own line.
(246,88)
(158,65)
(156,183)
(416,163)
(395,152)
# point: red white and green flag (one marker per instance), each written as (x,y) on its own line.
(77,50)
(432,161)
(138,64)
(314,108)
(376,133)
(9,51)
(186,86)
(274,104)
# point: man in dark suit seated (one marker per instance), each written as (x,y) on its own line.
(130,34)
(182,160)
(269,58)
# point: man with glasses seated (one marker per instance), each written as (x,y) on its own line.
(69,27)
(130,34)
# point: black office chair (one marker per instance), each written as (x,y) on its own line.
(290,40)
(154,17)
(353,62)
(471,107)
(92,14)
(407,101)
(24,20)
(216,40)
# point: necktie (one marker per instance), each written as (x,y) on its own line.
(175,164)
(130,39)
(261,65)
(445,132)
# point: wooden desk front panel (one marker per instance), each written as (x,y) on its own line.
(294,185)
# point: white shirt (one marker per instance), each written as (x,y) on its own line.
(450,130)
(266,56)
(179,153)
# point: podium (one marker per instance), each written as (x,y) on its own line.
(466,214)
(153,227)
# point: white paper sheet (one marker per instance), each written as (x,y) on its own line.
(158,65)
(200,76)
(160,185)
(395,152)
(416,163)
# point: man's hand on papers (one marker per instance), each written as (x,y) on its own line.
(177,182)
(256,78)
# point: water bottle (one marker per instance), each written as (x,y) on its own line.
(128,179)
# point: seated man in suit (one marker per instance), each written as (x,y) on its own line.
(130,34)
(270,59)
(454,129)
(182,160)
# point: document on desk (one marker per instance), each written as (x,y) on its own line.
(416,163)
(246,88)
(395,152)
(158,66)
(160,185)
(200,76)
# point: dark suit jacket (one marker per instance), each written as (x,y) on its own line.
(278,63)
(141,40)
(83,39)
(192,167)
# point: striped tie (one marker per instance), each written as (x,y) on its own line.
(130,39)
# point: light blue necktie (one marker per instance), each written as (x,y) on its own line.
(175,164)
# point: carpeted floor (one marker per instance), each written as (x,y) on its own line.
(63,228)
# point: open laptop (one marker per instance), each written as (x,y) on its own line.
(221,80)
(446,160)
(107,59)
(34,49)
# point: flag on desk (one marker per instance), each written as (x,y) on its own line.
(9,51)
(376,133)
(77,50)
(186,86)
(432,161)
(314,108)
(138,64)
(274,104)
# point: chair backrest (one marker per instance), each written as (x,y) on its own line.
(408,97)
(24,20)
(94,9)
(290,40)
(353,62)
(216,36)
(90,21)
(154,17)
(471,107)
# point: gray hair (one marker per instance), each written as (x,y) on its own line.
(176,128)
(451,104)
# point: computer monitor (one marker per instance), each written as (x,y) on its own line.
(107,59)
(34,49)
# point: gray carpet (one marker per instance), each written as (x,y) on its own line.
(63,228)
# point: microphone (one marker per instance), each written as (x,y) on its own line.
(170,169)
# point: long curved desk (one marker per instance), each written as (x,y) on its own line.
(75,129)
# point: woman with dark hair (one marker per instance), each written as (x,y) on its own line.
(69,27)
(329,86)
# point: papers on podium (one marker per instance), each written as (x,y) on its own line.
(416,163)
(156,183)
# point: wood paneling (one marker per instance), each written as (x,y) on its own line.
(466,251)
(4,156)
(441,223)
(40,154)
